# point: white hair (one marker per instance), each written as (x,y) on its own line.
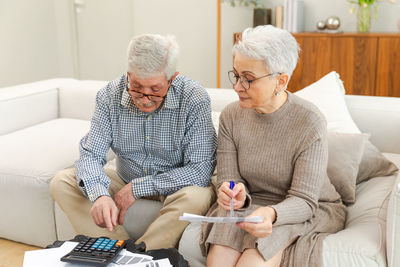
(276,47)
(152,54)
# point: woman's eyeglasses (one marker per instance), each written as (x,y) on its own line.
(234,78)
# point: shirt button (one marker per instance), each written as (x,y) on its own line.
(149,118)
(91,195)
(148,137)
(145,170)
(149,154)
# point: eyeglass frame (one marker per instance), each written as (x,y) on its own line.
(240,77)
(141,95)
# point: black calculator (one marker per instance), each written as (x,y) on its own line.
(95,251)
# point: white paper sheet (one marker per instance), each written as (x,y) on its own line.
(153,263)
(48,257)
(197,218)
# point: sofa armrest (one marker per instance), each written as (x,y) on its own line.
(393,226)
(28,104)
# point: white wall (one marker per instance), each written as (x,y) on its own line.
(314,10)
(194,23)
(38,41)
(28,43)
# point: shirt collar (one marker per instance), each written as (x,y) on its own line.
(171,100)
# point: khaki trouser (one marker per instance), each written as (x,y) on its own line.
(164,232)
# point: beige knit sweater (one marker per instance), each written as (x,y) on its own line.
(282,160)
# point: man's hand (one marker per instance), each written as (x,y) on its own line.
(263,229)
(225,194)
(124,199)
(104,212)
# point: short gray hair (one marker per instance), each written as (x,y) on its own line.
(152,54)
(276,47)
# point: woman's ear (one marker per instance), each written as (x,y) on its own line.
(282,81)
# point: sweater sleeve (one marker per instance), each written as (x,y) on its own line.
(308,176)
(227,167)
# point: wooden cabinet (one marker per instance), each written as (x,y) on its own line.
(368,64)
(388,66)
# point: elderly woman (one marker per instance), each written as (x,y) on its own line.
(273,145)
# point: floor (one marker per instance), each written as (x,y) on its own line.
(12,253)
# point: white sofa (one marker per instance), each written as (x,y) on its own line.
(41,124)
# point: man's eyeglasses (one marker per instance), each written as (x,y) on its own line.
(137,94)
(234,78)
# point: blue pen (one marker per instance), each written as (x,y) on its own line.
(231,186)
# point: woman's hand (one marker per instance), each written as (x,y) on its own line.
(238,193)
(263,229)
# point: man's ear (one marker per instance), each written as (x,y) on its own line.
(174,76)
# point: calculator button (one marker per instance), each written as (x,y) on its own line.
(119,243)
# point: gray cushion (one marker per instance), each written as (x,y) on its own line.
(374,164)
(345,152)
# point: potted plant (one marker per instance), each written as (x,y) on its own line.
(363,10)
(262,16)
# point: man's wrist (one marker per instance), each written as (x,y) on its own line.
(143,187)
(95,191)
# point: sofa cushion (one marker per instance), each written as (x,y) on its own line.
(42,150)
(393,218)
(344,156)
(26,209)
(373,164)
(362,242)
(29,159)
(328,95)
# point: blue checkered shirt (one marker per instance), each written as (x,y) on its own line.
(160,152)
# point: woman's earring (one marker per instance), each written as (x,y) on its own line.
(277,93)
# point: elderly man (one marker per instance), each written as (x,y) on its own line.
(159,125)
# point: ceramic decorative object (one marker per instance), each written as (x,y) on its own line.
(321,25)
(332,23)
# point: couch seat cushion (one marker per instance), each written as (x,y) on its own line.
(30,157)
(43,149)
(363,241)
